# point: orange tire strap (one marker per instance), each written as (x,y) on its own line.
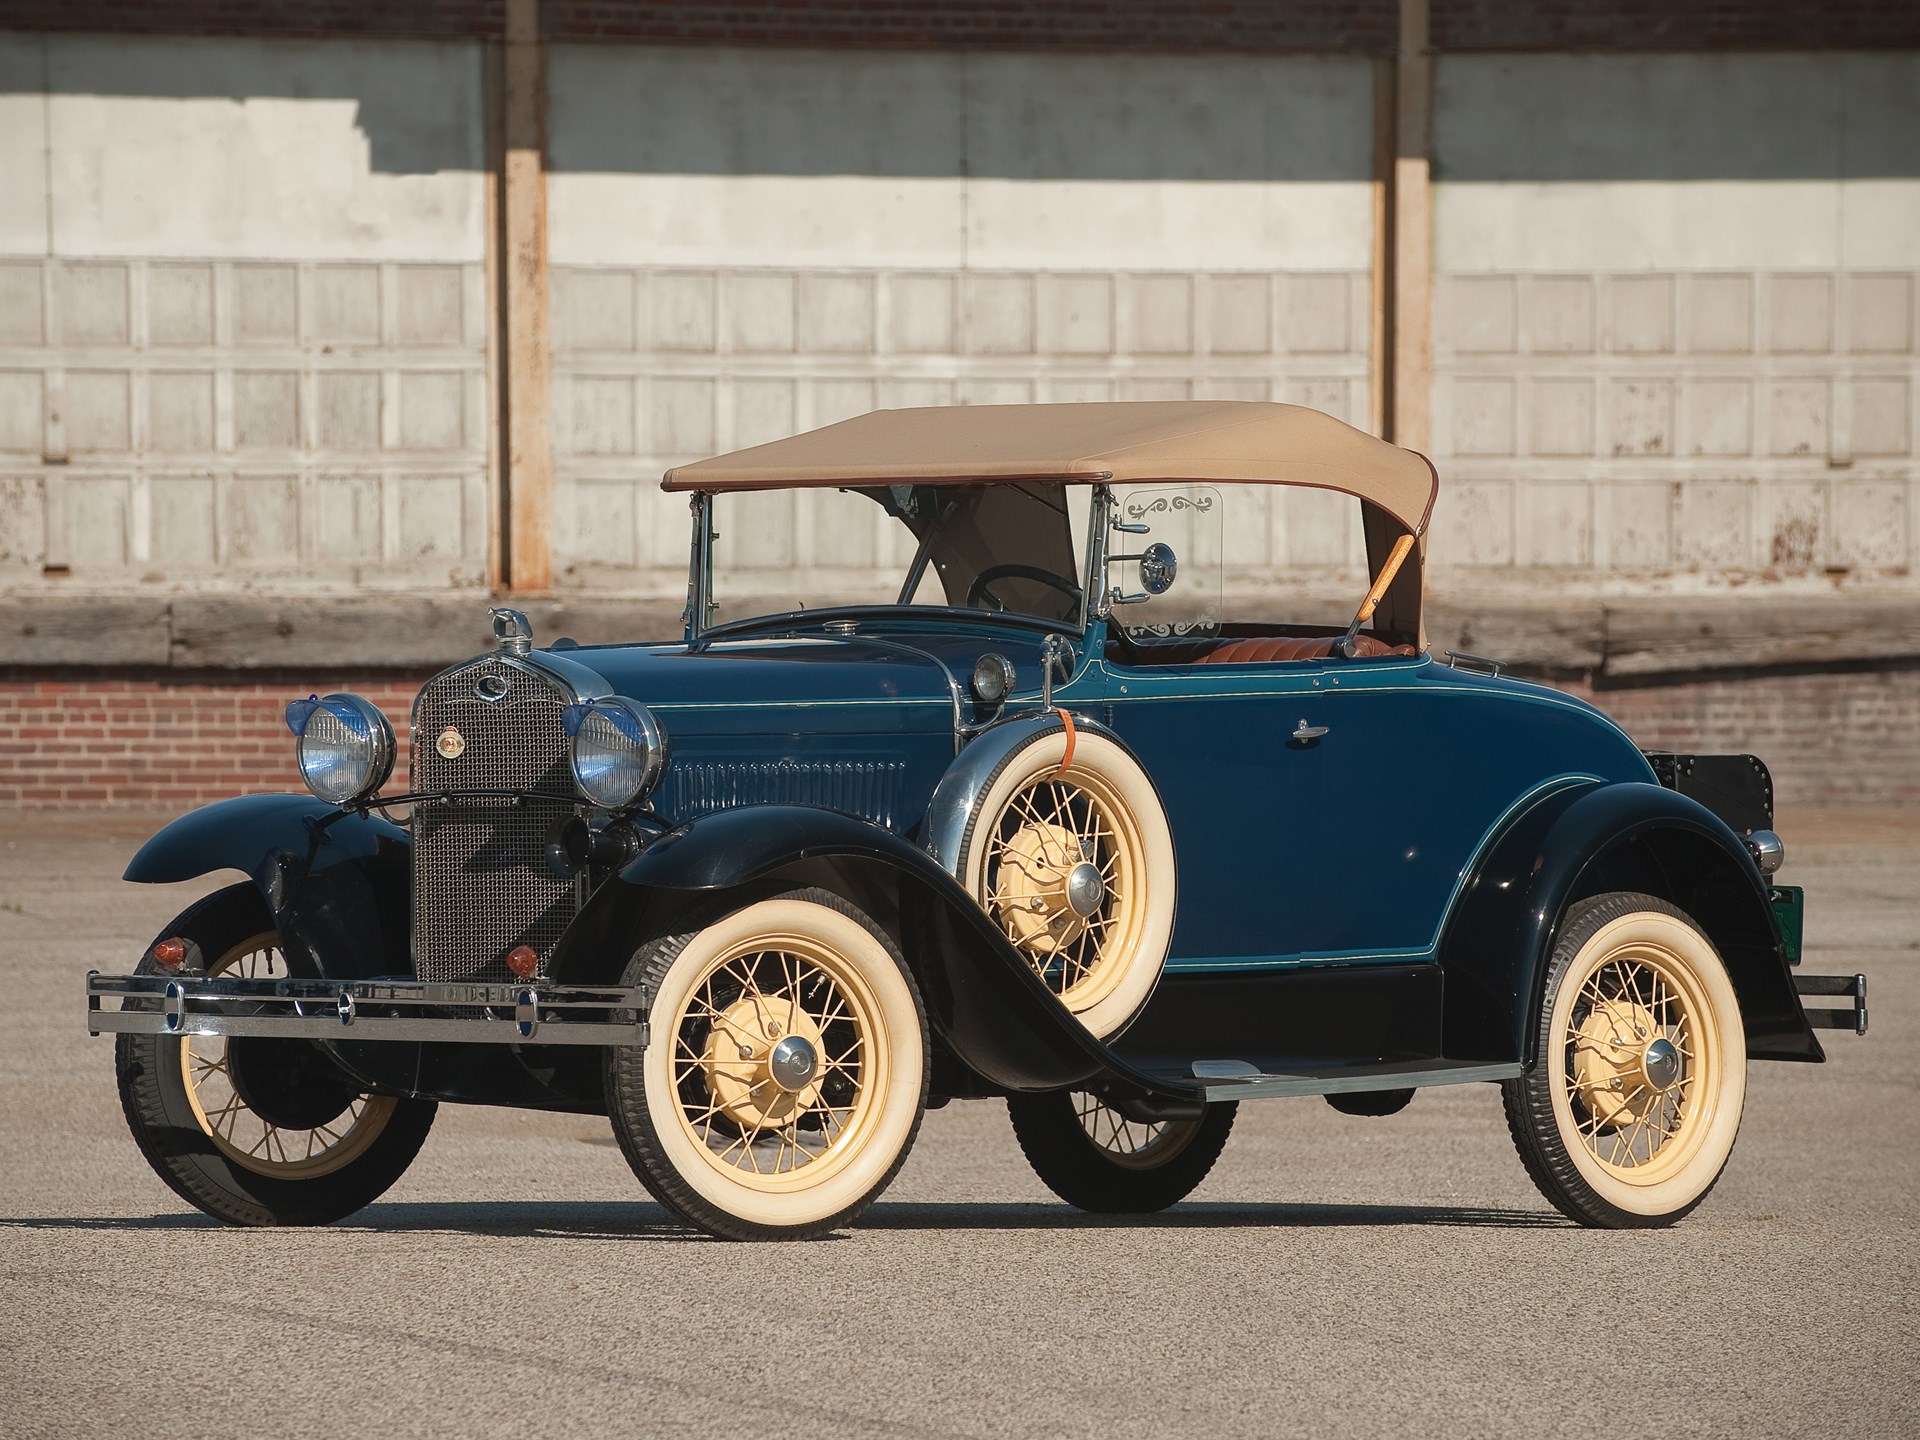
(1072,736)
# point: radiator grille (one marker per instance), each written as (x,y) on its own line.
(480,880)
(868,789)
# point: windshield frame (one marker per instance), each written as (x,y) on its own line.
(698,616)
(1097,596)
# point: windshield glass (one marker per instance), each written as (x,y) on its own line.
(1008,547)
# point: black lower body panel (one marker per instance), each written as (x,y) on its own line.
(1285,1020)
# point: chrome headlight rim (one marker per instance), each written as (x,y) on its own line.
(362,719)
(636,727)
(992,680)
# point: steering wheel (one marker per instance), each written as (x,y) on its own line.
(980,591)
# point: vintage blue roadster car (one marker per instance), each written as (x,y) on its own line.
(1034,819)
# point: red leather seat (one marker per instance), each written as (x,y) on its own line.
(1257,649)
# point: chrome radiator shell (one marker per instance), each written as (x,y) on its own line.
(481,884)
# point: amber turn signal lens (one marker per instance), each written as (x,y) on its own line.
(170,953)
(523,960)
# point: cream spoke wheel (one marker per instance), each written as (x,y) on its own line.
(787,1073)
(1134,1144)
(238,1130)
(1631,1111)
(1069,852)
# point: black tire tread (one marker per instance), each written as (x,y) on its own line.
(185,1161)
(1073,1167)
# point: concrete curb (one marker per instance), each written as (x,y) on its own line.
(409,631)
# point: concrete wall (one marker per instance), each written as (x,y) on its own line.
(752,242)
(242,317)
(1676,312)
(243,326)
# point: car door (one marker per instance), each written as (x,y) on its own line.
(1267,836)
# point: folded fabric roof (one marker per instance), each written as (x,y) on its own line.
(1238,441)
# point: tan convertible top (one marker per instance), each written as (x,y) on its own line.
(1249,441)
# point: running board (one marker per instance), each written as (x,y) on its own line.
(1240,1080)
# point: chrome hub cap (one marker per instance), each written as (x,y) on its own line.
(1085,889)
(792,1063)
(1048,889)
(1661,1064)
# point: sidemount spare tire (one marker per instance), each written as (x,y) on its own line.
(1070,852)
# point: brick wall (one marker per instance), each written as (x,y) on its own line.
(1851,738)
(1636,25)
(151,740)
(144,739)
(1355,25)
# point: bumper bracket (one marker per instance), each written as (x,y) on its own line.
(1854,987)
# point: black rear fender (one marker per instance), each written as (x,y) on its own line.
(1587,840)
(985,1004)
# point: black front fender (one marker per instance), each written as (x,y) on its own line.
(983,1000)
(336,883)
(1586,840)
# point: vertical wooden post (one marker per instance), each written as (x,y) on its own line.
(493,89)
(1380,290)
(1411,304)
(528,549)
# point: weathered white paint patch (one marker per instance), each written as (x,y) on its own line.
(233,148)
(733,157)
(23,141)
(1596,162)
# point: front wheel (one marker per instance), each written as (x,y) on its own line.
(1630,1113)
(259,1131)
(785,1074)
(1094,1157)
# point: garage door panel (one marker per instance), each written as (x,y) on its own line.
(747,244)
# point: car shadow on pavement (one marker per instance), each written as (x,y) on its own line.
(640,1220)
(1195,1215)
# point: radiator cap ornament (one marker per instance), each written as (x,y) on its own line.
(451,744)
(512,630)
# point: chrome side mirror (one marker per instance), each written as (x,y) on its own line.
(1158,567)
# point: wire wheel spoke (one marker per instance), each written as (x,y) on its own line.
(745,1119)
(1627,1111)
(239,1132)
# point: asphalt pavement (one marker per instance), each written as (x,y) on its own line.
(1333,1277)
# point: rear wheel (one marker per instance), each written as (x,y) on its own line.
(259,1131)
(1629,1115)
(1093,1156)
(785,1074)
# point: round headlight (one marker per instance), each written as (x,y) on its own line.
(344,744)
(992,679)
(618,750)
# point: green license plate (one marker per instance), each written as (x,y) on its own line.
(1790,913)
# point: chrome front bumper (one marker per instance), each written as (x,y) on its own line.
(355,1010)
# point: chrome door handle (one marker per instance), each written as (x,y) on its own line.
(1304,732)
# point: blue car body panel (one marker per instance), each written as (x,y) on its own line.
(1350,847)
